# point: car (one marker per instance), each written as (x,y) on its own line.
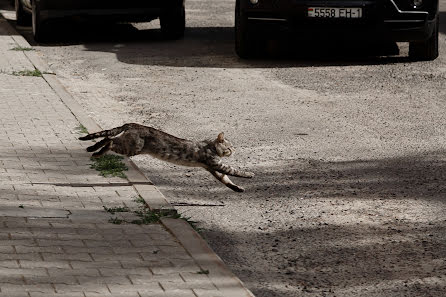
(40,13)
(413,21)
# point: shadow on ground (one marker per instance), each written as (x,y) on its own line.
(412,177)
(214,47)
(357,228)
(360,259)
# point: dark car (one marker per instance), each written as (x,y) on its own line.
(40,13)
(413,21)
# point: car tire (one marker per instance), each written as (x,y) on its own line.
(40,27)
(242,40)
(173,23)
(426,50)
(22,17)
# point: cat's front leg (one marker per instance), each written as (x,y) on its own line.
(229,170)
(223,178)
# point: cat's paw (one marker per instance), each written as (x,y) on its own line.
(236,188)
(249,175)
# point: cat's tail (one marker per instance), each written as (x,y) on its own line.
(106,133)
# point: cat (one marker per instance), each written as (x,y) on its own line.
(137,139)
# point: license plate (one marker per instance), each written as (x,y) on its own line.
(335,12)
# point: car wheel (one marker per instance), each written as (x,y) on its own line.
(242,40)
(426,50)
(40,28)
(22,18)
(173,22)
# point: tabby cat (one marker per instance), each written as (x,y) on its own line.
(138,139)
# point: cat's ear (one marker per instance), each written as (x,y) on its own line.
(221,137)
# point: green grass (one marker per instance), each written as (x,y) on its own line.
(203,271)
(140,200)
(147,216)
(116,221)
(109,165)
(188,220)
(35,72)
(114,210)
(81,129)
(21,48)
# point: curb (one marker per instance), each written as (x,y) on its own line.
(223,278)
(226,282)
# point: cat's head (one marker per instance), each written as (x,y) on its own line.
(223,147)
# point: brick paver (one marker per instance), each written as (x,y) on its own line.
(55,239)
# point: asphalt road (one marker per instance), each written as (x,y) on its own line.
(349,197)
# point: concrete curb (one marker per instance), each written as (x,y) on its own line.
(193,243)
(226,282)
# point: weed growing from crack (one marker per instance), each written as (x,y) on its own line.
(114,210)
(147,216)
(109,165)
(81,129)
(21,48)
(116,221)
(140,200)
(188,220)
(35,72)
(203,271)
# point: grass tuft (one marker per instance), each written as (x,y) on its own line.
(35,72)
(203,271)
(114,210)
(109,165)
(147,216)
(116,221)
(81,129)
(140,200)
(21,48)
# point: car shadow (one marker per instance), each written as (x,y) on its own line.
(213,47)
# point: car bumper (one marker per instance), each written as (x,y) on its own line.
(381,19)
(135,14)
(110,9)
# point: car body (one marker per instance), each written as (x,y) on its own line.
(39,13)
(413,21)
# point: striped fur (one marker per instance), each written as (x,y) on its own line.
(134,139)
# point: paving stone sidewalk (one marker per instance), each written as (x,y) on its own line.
(55,238)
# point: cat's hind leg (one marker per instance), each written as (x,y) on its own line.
(223,178)
(98,145)
(103,150)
